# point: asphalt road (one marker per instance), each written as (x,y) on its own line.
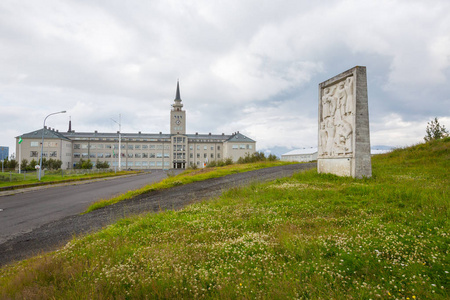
(22,212)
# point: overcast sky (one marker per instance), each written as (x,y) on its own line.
(243,65)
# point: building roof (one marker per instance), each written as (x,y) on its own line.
(48,134)
(72,135)
(177,96)
(303,151)
(239,137)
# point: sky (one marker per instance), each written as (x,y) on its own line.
(248,66)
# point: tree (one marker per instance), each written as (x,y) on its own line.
(32,165)
(102,165)
(83,164)
(12,164)
(87,164)
(435,131)
(24,164)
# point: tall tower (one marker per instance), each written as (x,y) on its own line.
(177,115)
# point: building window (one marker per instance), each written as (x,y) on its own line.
(75,146)
(130,147)
(235,147)
(137,155)
(205,147)
(218,147)
(92,155)
(191,147)
(218,155)
(137,146)
(33,154)
(53,154)
(107,155)
(198,147)
(144,155)
(250,147)
(76,155)
(108,146)
(205,155)
(159,163)
(212,155)
(191,155)
(152,164)
(145,163)
(212,148)
(152,146)
(100,155)
(166,155)
(144,147)
(84,155)
(130,155)
(84,146)
(130,164)
(138,164)
(241,146)
(158,155)
(198,155)
(34,144)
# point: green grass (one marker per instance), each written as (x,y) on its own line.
(186,177)
(308,236)
(19,180)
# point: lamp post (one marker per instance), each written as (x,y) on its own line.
(120,141)
(42,142)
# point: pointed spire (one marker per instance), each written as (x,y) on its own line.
(177,97)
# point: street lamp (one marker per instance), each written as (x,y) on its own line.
(42,143)
(120,141)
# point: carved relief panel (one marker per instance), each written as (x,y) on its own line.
(337,119)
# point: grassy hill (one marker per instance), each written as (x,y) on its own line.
(308,236)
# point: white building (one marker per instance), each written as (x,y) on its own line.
(138,150)
(301,155)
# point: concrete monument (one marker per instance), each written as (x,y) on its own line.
(344,139)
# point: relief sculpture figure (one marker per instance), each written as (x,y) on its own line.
(349,91)
(337,118)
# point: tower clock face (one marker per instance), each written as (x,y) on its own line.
(178,122)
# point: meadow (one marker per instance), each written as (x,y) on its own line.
(309,236)
(188,176)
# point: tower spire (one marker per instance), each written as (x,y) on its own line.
(177,96)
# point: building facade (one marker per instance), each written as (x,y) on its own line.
(4,152)
(301,155)
(176,149)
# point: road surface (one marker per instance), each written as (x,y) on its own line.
(22,212)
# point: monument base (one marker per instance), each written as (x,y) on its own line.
(337,166)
